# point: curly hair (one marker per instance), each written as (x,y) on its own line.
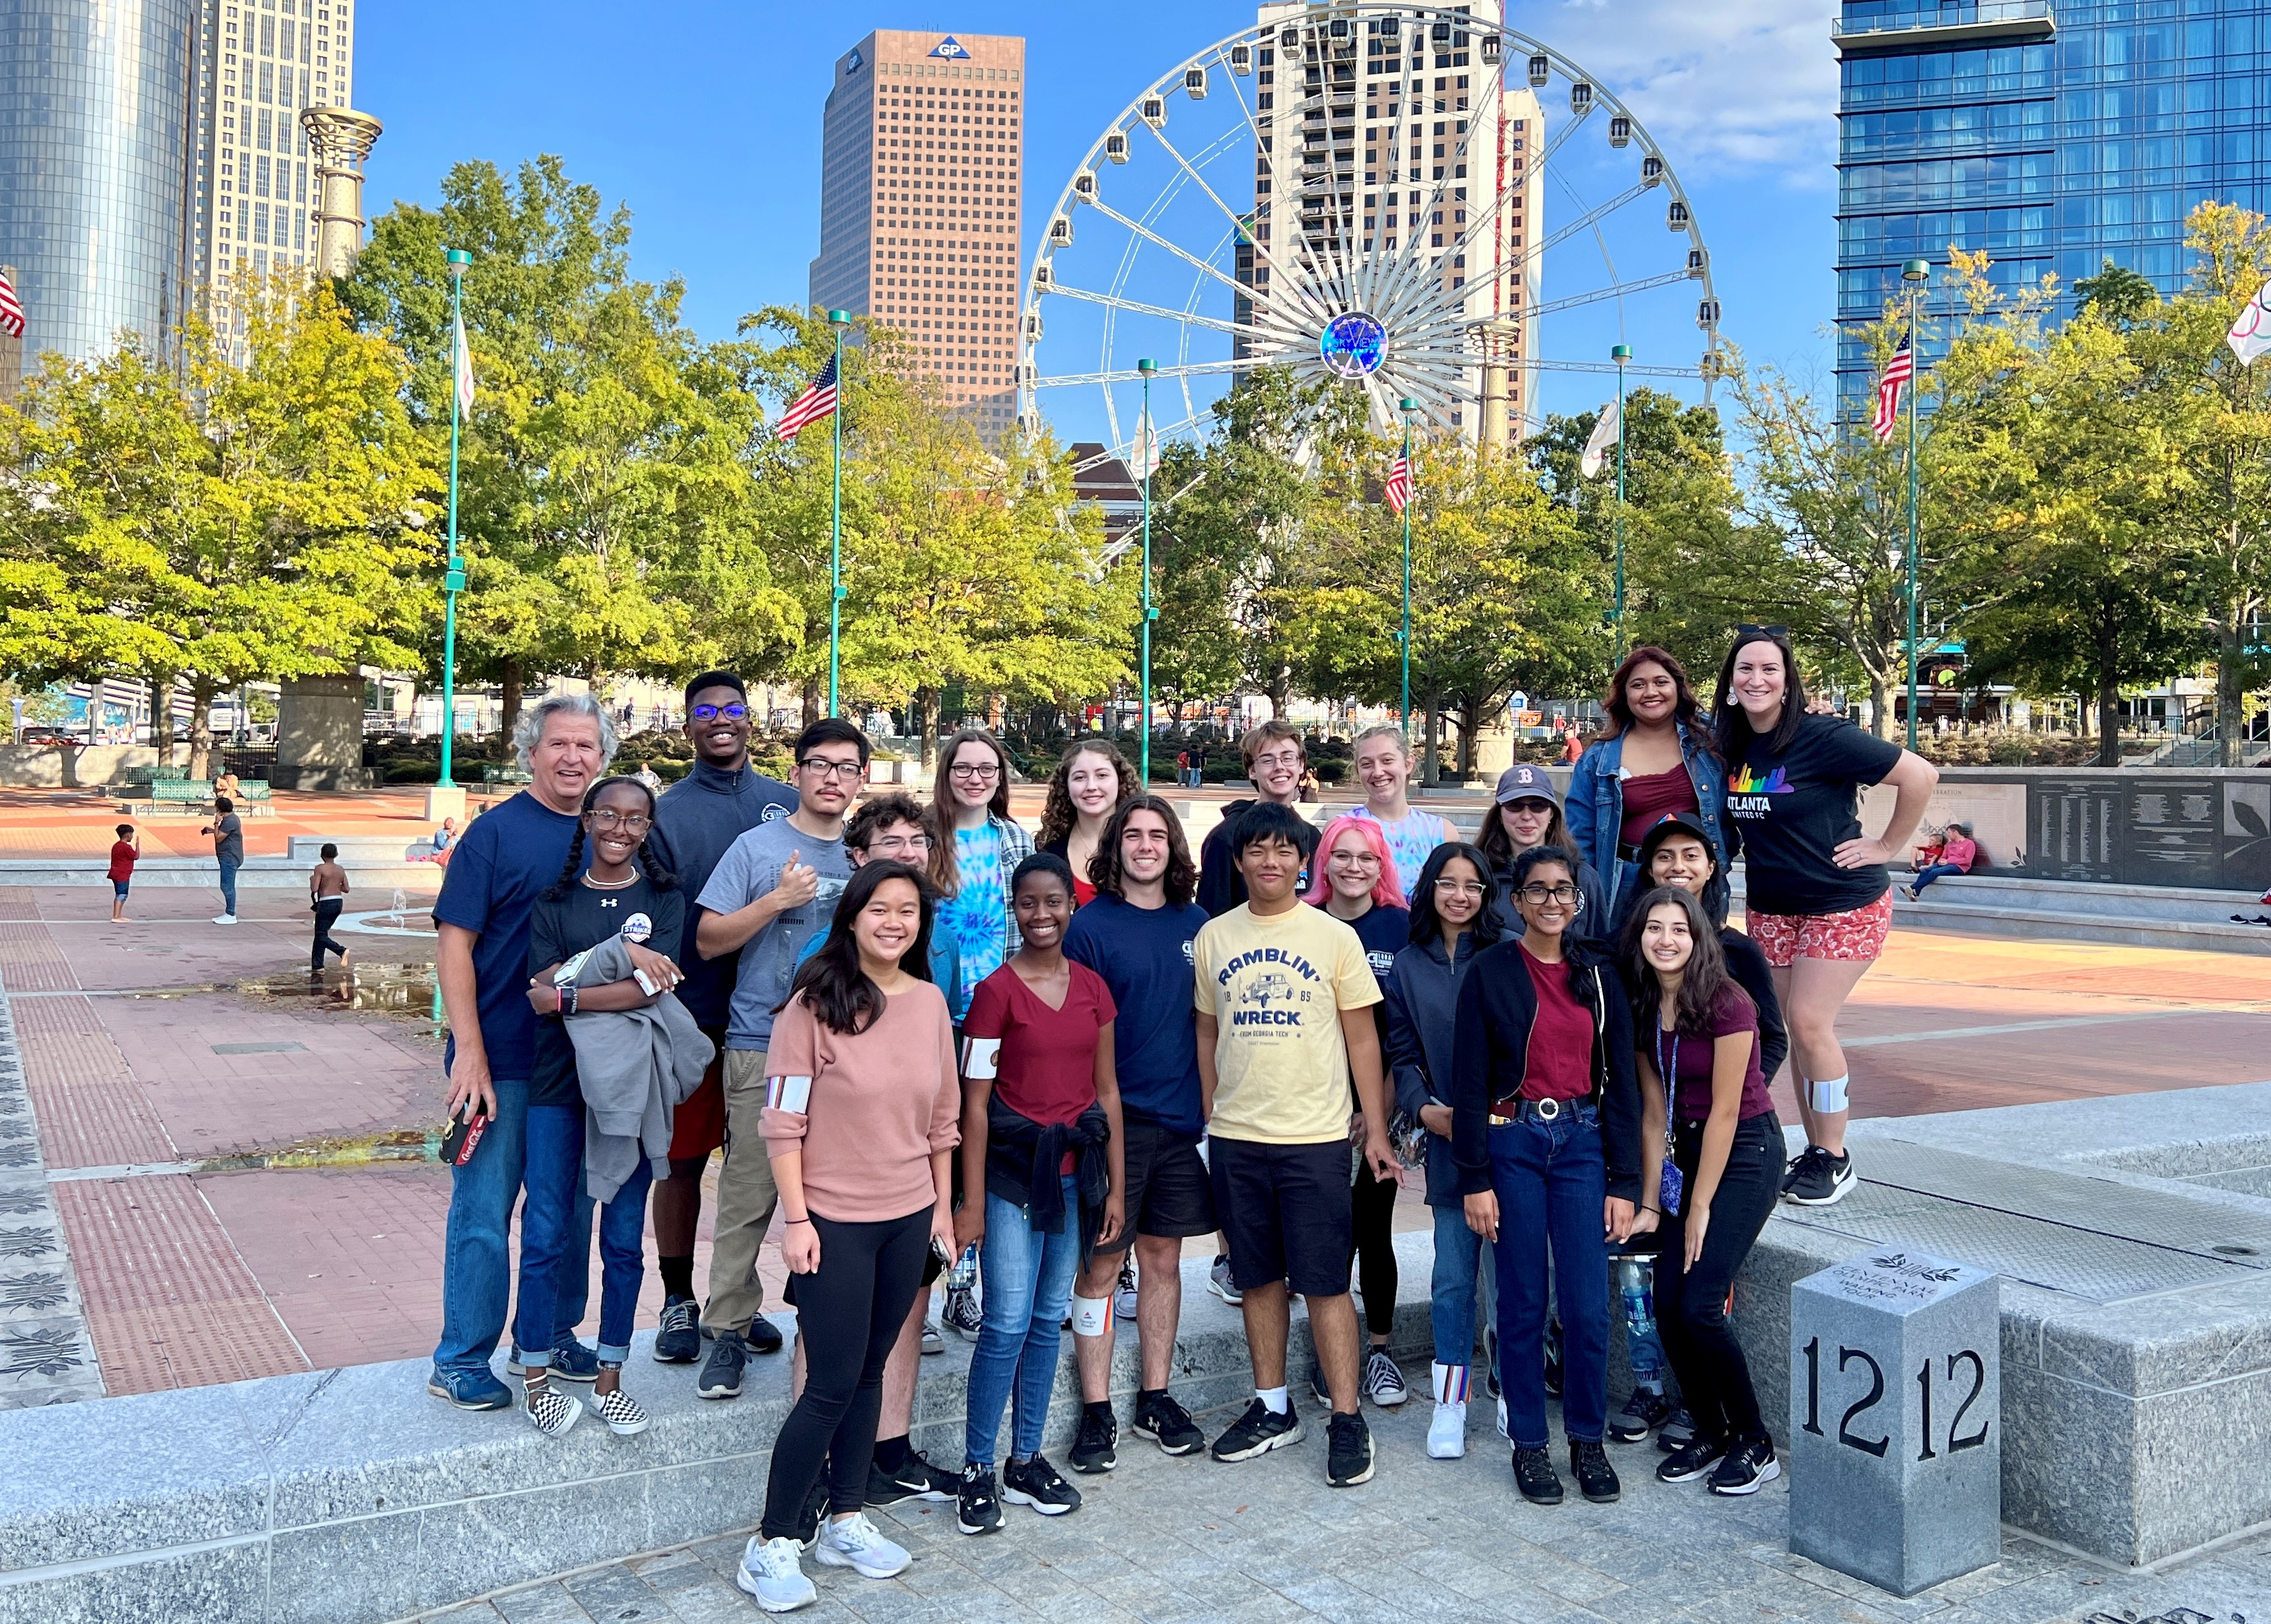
(1105,871)
(657,874)
(1058,815)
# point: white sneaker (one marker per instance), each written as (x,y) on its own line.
(770,1572)
(857,1544)
(1447,1434)
(552,1412)
(1221,1285)
(224,919)
(1502,1419)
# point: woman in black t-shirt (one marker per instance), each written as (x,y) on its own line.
(1819,900)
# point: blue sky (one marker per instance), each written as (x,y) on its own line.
(704,116)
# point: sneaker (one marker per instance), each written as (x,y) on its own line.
(224,919)
(1447,1434)
(1094,1446)
(1319,1386)
(808,1516)
(1123,1295)
(470,1389)
(721,1376)
(961,1311)
(934,1340)
(552,1412)
(1037,1483)
(1643,1412)
(571,1361)
(1167,1424)
(1384,1383)
(1746,1466)
(918,1479)
(1258,1431)
(763,1336)
(620,1412)
(770,1572)
(1535,1477)
(1597,1479)
(1348,1451)
(855,1543)
(1690,1460)
(1504,1431)
(1221,1285)
(977,1509)
(1790,1174)
(679,1342)
(1677,1433)
(1819,1179)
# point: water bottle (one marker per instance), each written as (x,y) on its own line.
(1636,1283)
(965,1270)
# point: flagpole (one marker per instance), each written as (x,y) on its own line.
(1915,272)
(839,321)
(1145,450)
(1620,353)
(453,578)
(1407,406)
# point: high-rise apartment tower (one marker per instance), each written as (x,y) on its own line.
(921,180)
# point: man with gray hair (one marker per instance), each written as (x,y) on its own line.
(504,859)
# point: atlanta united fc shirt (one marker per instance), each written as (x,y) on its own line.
(1276,986)
(1792,809)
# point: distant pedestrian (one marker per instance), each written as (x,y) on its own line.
(327,894)
(123,850)
(228,851)
(445,840)
(1955,854)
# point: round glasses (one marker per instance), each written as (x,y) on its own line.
(630,822)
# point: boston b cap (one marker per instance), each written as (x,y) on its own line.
(1524,782)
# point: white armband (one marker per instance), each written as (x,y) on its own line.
(791,1094)
(981,1057)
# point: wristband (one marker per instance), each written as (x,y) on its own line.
(1657,1210)
(801,1220)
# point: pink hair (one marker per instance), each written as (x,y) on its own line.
(1386,891)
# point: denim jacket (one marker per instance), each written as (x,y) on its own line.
(1595,809)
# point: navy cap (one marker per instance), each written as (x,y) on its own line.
(1524,782)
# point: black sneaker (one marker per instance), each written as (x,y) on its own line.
(763,1336)
(1554,1360)
(1257,1432)
(721,1376)
(918,1479)
(1643,1412)
(1535,1477)
(1167,1424)
(1348,1451)
(1037,1483)
(1819,1178)
(1797,1163)
(1748,1465)
(1692,1460)
(977,1509)
(1094,1446)
(679,1342)
(1318,1384)
(1677,1433)
(816,1508)
(1597,1479)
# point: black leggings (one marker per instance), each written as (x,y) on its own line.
(1372,1223)
(1691,1304)
(327,913)
(849,1312)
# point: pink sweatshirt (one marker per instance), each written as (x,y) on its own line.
(875,1104)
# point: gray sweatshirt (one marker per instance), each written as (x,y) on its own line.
(636,1066)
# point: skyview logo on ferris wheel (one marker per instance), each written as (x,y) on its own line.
(1354,345)
(952,49)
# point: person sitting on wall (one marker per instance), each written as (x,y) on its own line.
(1955,854)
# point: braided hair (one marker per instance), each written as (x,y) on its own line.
(657,874)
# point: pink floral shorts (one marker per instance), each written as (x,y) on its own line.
(1856,934)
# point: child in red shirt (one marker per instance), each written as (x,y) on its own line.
(123,850)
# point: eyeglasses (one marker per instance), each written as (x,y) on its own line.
(832,768)
(1538,896)
(1278,758)
(711,712)
(894,846)
(981,771)
(1748,631)
(630,822)
(1362,860)
(1461,887)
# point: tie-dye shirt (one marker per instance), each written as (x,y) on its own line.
(1410,839)
(977,916)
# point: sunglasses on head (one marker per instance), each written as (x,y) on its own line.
(1747,631)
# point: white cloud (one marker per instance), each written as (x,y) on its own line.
(1723,86)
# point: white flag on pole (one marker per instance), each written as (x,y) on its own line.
(461,359)
(2251,334)
(1602,441)
(1143,452)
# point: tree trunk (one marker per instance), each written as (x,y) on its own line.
(508,707)
(1429,767)
(2081,714)
(162,716)
(1880,710)
(2229,721)
(1470,733)
(2109,689)
(1279,691)
(201,698)
(927,703)
(809,703)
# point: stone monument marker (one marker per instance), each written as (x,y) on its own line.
(1895,1419)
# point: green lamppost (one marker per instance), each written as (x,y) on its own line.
(1407,406)
(1914,274)
(840,320)
(453,578)
(1620,353)
(1148,454)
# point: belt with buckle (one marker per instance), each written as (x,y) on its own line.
(1529,1111)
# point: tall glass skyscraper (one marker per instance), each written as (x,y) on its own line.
(2053,134)
(94,123)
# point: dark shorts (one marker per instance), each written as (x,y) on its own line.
(1286,1211)
(118,889)
(1168,1194)
(698,1126)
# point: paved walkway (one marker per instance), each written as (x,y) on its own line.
(1190,1539)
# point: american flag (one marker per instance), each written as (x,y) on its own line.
(1898,372)
(817,401)
(1399,484)
(11,309)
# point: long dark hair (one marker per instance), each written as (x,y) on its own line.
(1058,815)
(1685,710)
(1700,985)
(657,874)
(1427,923)
(1497,845)
(833,983)
(1731,722)
(1103,869)
(943,874)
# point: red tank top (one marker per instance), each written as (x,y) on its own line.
(1646,800)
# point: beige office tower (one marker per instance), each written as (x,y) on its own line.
(253,193)
(921,180)
(1362,115)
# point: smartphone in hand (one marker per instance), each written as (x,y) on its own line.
(464,1136)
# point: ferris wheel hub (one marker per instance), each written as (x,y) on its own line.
(1354,345)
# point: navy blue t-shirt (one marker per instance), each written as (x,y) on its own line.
(1144,957)
(1385,932)
(503,864)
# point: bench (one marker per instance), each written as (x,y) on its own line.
(252,789)
(495,772)
(182,789)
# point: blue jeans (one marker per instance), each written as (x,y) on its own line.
(555,1239)
(1458,1253)
(1027,1278)
(476,1258)
(227,885)
(1930,872)
(1551,1182)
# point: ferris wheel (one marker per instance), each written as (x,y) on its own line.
(1413,201)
